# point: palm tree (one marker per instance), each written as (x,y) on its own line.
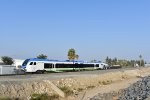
(71,54)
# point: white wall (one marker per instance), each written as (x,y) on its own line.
(1,62)
(7,69)
(18,62)
(147,65)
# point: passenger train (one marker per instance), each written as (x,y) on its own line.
(42,65)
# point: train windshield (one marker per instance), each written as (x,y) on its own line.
(25,62)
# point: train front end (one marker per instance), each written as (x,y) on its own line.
(24,65)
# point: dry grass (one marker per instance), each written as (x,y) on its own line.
(66,90)
(80,89)
(90,87)
(105,82)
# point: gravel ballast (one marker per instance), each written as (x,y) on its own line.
(137,91)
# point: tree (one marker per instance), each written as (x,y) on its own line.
(114,61)
(133,62)
(93,61)
(7,60)
(107,60)
(71,54)
(77,57)
(140,56)
(42,56)
(142,63)
(110,62)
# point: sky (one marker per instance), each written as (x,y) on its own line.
(94,28)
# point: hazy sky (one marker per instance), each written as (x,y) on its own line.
(95,28)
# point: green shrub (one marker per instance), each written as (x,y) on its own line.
(7,98)
(44,97)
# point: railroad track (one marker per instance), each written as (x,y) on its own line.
(53,76)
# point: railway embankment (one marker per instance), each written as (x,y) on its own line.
(73,88)
(137,91)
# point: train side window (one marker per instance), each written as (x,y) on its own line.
(34,63)
(31,63)
(48,65)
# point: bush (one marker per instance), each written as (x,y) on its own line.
(106,82)
(80,89)
(44,97)
(91,87)
(66,90)
(7,98)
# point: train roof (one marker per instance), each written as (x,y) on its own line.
(37,59)
(75,61)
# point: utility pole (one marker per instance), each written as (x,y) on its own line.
(140,56)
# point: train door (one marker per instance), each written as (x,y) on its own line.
(39,66)
(31,67)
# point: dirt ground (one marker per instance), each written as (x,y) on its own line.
(85,88)
(74,88)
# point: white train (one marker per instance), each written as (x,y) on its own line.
(42,65)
